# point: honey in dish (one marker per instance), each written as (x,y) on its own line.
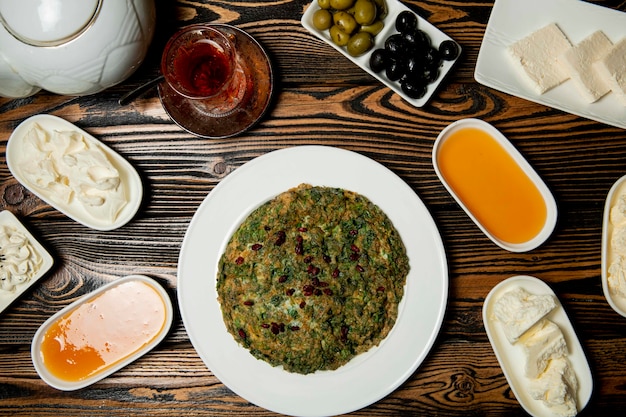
(492,186)
(103,331)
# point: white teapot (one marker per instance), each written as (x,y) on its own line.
(71,47)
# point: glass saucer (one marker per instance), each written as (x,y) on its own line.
(187,116)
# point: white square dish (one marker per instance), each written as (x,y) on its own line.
(394,8)
(9,222)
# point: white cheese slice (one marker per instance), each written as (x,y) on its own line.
(518,310)
(557,388)
(578,63)
(542,343)
(535,56)
(612,69)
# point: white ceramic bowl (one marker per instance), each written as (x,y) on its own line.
(550,203)
(108,326)
(72,47)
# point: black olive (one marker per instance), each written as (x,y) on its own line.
(414,88)
(378,60)
(430,74)
(414,64)
(422,40)
(411,38)
(396,45)
(395,69)
(448,50)
(406,21)
(432,58)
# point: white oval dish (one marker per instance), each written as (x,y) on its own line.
(73,209)
(548,198)
(617,302)
(106,329)
(394,8)
(8,219)
(512,357)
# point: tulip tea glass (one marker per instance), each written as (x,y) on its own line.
(201,63)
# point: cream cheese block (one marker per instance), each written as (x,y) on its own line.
(617,214)
(518,311)
(618,240)
(536,57)
(617,276)
(578,63)
(557,388)
(542,343)
(612,69)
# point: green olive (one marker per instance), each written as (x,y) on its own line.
(360,43)
(374,28)
(324,4)
(365,12)
(341,4)
(339,37)
(322,19)
(345,21)
(381,6)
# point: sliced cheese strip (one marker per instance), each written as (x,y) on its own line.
(536,57)
(612,69)
(578,63)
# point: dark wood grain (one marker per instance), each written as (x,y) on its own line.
(320,98)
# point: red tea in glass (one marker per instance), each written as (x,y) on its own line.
(201,64)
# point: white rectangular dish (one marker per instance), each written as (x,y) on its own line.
(512,358)
(512,20)
(10,224)
(394,7)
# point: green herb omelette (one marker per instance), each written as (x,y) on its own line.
(312,278)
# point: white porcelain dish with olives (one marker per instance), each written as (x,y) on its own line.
(401,49)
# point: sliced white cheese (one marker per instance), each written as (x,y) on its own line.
(535,56)
(612,69)
(518,311)
(578,63)
(542,343)
(557,388)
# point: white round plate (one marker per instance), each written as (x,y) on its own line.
(368,377)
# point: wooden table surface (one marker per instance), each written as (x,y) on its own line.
(320,98)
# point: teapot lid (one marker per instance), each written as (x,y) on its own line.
(47,22)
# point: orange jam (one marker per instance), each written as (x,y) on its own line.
(492,186)
(103,331)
